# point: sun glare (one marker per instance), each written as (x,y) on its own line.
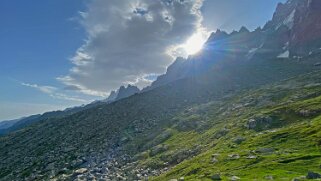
(194,44)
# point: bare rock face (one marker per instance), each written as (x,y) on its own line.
(122,93)
(294,31)
(301,20)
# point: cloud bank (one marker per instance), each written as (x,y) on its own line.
(129,40)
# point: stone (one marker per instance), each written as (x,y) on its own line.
(215,155)
(216,177)
(235,178)
(81,171)
(234,156)
(317,64)
(260,123)
(313,175)
(269,177)
(221,133)
(214,160)
(251,157)
(265,150)
(238,140)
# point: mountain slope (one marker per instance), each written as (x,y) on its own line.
(29,120)
(294,32)
(236,109)
(268,133)
(87,139)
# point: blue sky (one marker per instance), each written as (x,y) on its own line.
(43,42)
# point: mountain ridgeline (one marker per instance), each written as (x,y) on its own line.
(17,124)
(122,93)
(247,107)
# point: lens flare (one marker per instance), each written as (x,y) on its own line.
(194,44)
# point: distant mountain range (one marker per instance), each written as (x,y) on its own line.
(14,125)
(246,107)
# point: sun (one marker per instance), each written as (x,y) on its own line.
(194,44)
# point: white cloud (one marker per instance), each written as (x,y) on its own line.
(53,92)
(44,89)
(129,40)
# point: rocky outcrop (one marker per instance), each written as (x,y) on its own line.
(124,92)
(121,93)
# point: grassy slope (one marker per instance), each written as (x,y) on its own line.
(190,138)
(295,137)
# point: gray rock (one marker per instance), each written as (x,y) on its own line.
(234,156)
(269,177)
(81,171)
(251,157)
(317,64)
(239,140)
(313,175)
(265,150)
(260,123)
(221,133)
(214,160)
(235,178)
(216,177)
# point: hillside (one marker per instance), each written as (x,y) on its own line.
(127,130)
(248,107)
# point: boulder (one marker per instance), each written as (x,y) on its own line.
(81,171)
(239,140)
(317,64)
(251,157)
(235,178)
(234,156)
(269,177)
(221,133)
(265,150)
(216,177)
(260,123)
(313,175)
(214,160)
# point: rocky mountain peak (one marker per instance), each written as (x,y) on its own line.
(218,35)
(122,93)
(243,29)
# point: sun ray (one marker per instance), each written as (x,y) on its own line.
(195,43)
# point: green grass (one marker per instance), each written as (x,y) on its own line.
(296,139)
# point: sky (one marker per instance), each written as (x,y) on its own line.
(57,54)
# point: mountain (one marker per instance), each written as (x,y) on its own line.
(237,110)
(122,93)
(293,32)
(7,124)
(17,124)
(112,96)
